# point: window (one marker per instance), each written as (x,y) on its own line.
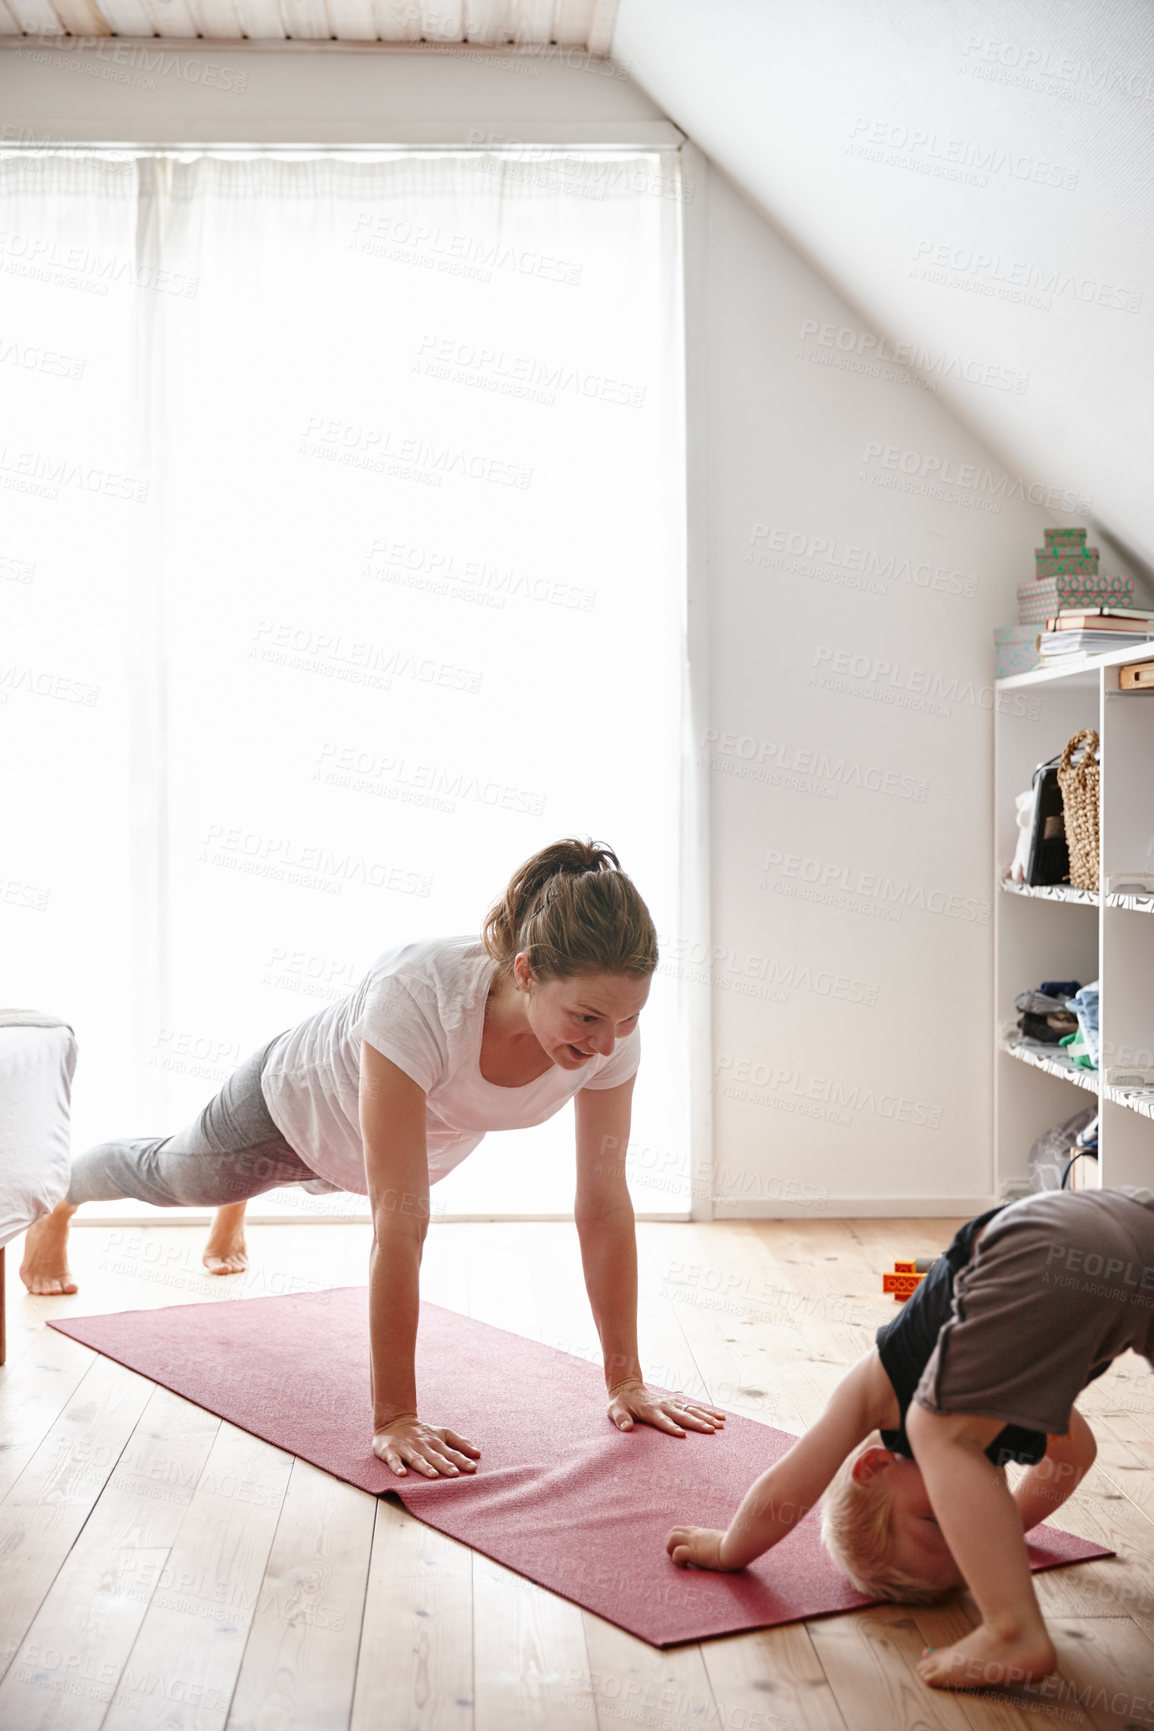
(345,566)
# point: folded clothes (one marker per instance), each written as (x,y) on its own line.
(1047,999)
(1046,1013)
(1047,1030)
(1085,1004)
(1076,1048)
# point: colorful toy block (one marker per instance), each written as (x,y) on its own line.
(906,1276)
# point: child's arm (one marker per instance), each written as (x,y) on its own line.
(1067,1460)
(788,1490)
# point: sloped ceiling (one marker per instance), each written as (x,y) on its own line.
(976,178)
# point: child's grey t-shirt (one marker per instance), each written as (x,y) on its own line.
(1058,1286)
(906,1344)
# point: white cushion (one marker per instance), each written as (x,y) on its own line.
(36,1067)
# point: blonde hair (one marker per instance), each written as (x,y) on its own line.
(572,910)
(857,1530)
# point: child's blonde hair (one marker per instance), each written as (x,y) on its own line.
(857,1530)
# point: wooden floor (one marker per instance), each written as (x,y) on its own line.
(159,1568)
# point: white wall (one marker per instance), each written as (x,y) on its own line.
(850,770)
(852,1035)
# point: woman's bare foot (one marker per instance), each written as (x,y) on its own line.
(44,1270)
(226,1251)
(983,1660)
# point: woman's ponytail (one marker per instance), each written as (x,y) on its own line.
(572,910)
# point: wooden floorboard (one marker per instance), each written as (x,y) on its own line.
(774,1680)
(415,1667)
(870,1659)
(160,1569)
(300,1659)
(83,1633)
(185,1661)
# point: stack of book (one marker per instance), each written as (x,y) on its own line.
(1094,630)
(1067,583)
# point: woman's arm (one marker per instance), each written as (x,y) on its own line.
(787,1491)
(392,1112)
(603,1211)
(604,1215)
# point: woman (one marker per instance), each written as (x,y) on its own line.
(385,1091)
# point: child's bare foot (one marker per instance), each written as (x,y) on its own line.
(226,1251)
(44,1270)
(984,1660)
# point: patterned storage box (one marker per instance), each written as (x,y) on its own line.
(1038,602)
(1015,650)
(1064,540)
(1065,553)
(1062,564)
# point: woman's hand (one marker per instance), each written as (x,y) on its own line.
(700,1546)
(668,1412)
(434,1450)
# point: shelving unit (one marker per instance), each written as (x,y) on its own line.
(1059,1065)
(1058,933)
(1052,892)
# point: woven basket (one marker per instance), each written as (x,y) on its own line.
(1079,783)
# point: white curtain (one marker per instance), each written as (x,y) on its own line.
(343,567)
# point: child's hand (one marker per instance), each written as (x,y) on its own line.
(700,1546)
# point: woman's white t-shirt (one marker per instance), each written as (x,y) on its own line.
(423,1006)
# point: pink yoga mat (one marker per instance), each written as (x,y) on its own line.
(559,1495)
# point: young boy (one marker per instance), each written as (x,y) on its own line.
(1030,1302)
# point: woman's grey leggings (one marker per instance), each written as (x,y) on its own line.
(232,1151)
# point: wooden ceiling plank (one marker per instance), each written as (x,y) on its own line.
(82,18)
(484,23)
(443,20)
(487,22)
(397,20)
(531,22)
(127,17)
(170,18)
(305,20)
(388,22)
(261,20)
(571,24)
(37,18)
(352,20)
(216,19)
(601,27)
